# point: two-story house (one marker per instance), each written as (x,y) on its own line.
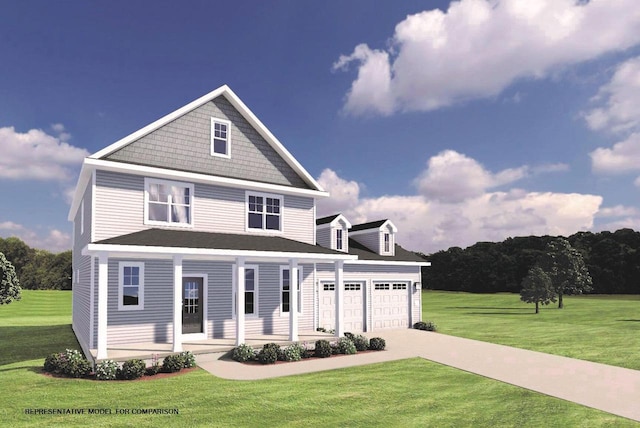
(202,225)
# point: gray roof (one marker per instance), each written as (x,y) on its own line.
(401,255)
(221,241)
(371,225)
(325,220)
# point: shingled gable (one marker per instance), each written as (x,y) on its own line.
(181,141)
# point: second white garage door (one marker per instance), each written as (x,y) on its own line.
(353,306)
(390,305)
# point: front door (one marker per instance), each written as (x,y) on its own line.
(192,305)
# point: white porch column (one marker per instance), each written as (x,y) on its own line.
(293,300)
(339,267)
(240,289)
(177,304)
(103,281)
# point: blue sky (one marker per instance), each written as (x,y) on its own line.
(461,122)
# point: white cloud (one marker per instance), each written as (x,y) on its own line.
(454,177)
(36,155)
(620,100)
(430,224)
(53,240)
(343,193)
(623,157)
(477,48)
(618,211)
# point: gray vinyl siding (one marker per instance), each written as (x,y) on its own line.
(185,144)
(323,237)
(120,209)
(81,266)
(370,240)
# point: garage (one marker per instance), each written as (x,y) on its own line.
(353,306)
(390,305)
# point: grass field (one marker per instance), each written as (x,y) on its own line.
(604,329)
(405,393)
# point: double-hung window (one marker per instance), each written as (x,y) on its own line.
(130,286)
(168,203)
(250,291)
(264,212)
(387,242)
(285,288)
(339,239)
(220,138)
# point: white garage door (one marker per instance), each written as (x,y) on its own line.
(390,302)
(353,306)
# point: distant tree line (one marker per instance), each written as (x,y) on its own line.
(38,269)
(612,259)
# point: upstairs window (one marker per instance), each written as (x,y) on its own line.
(220,138)
(264,212)
(387,245)
(168,203)
(339,239)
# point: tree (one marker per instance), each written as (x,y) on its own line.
(566,269)
(9,285)
(537,288)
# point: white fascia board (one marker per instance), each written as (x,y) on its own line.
(335,221)
(384,262)
(149,251)
(152,171)
(244,111)
(83,181)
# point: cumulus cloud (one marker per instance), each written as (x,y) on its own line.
(53,240)
(618,211)
(36,155)
(623,157)
(619,100)
(477,48)
(431,221)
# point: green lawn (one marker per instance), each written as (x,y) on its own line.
(604,329)
(408,393)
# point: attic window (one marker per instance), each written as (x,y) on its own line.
(220,138)
(386,243)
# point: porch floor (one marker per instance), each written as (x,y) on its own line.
(147,350)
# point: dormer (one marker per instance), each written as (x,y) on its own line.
(333,232)
(378,236)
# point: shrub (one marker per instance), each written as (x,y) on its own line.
(74,364)
(321,329)
(106,370)
(53,363)
(154,369)
(346,346)
(426,326)
(361,343)
(303,349)
(132,369)
(349,336)
(189,359)
(172,363)
(377,344)
(243,352)
(269,353)
(323,348)
(290,353)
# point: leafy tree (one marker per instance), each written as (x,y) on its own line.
(566,268)
(9,284)
(17,252)
(537,288)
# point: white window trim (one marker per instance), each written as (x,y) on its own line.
(215,120)
(140,305)
(264,222)
(256,306)
(340,231)
(148,181)
(301,283)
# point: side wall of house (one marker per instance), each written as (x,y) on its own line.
(81,266)
(371,240)
(120,209)
(323,237)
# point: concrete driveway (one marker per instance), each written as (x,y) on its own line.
(612,389)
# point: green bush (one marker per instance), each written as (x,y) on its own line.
(303,349)
(243,353)
(346,346)
(132,369)
(74,364)
(361,342)
(189,359)
(290,353)
(154,369)
(349,336)
(425,325)
(53,363)
(106,370)
(269,353)
(377,344)
(323,348)
(172,363)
